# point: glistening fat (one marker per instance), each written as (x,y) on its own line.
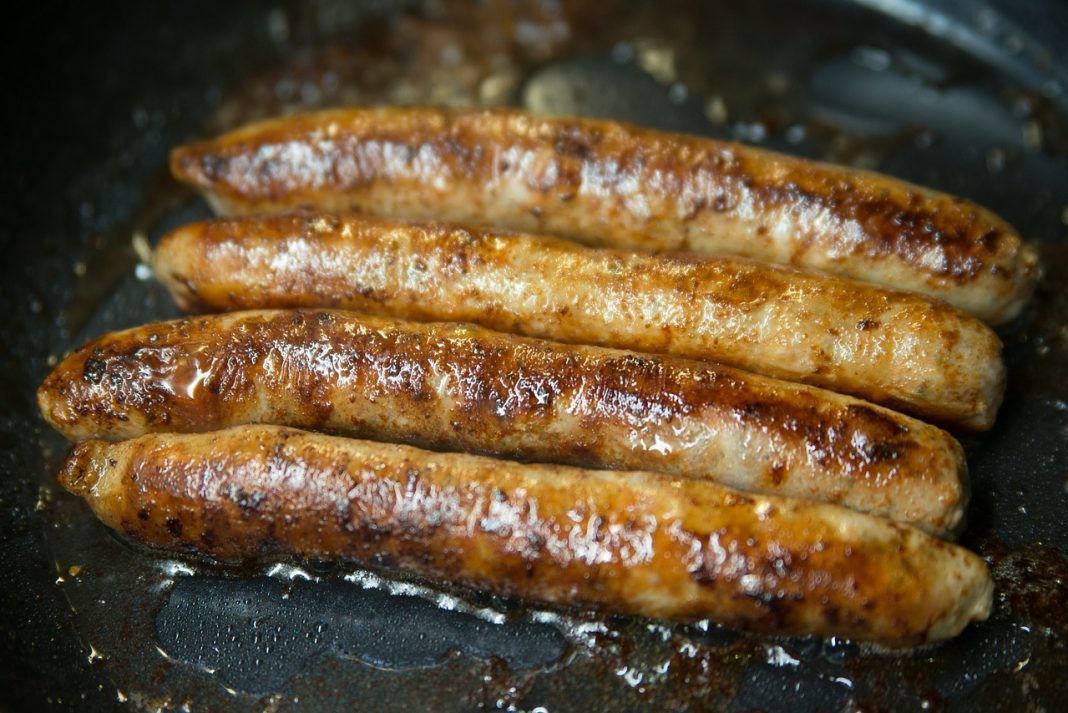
(899,349)
(460,387)
(628,542)
(618,185)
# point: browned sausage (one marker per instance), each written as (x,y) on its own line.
(466,388)
(617,185)
(899,349)
(630,542)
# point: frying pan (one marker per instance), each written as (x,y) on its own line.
(963,96)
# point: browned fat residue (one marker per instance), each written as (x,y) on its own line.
(174,527)
(747,287)
(465,153)
(913,232)
(635,386)
(94,370)
(573,142)
(77,473)
(212,166)
(772,582)
(498,385)
(906,226)
(855,438)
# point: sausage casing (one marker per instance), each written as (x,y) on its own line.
(629,542)
(458,387)
(895,348)
(617,185)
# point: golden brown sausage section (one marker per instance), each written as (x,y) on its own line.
(634,543)
(613,184)
(899,349)
(466,388)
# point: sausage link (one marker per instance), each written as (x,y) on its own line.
(895,348)
(457,387)
(617,185)
(629,542)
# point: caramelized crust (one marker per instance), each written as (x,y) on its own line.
(631,542)
(899,349)
(458,387)
(613,184)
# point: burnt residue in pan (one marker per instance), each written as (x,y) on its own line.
(853,88)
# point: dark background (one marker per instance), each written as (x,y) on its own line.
(72,73)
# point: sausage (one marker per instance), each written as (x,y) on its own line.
(616,185)
(895,348)
(455,387)
(629,542)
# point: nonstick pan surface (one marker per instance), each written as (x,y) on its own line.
(953,95)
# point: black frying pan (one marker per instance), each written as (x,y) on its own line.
(951,94)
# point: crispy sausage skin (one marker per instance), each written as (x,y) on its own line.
(629,542)
(617,185)
(456,387)
(899,349)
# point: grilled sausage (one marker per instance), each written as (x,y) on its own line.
(630,542)
(899,349)
(617,185)
(465,388)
